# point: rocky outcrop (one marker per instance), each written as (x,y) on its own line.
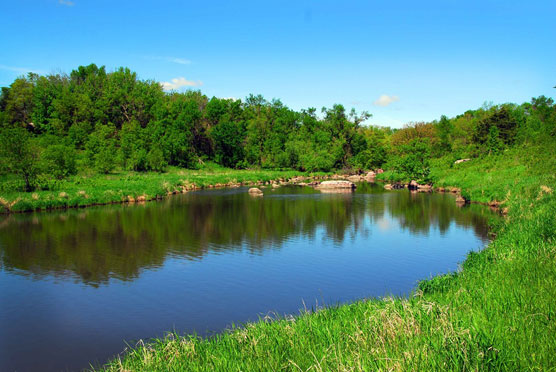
(370,176)
(424,188)
(339,184)
(254,191)
(413,185)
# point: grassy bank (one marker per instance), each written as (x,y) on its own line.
(497,313)
(122,186)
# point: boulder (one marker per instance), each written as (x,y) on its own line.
(340,184)
(460,199)
(413,185)
(254,191)
(388,187)
(380,171)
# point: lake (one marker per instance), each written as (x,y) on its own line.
(77,285)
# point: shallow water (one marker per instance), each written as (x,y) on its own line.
(76,285)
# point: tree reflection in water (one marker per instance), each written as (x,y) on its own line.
(97,244)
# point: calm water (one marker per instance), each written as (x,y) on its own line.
(75,285)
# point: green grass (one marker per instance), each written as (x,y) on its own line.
(497,313)
(94,189)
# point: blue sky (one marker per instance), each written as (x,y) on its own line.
(400,60)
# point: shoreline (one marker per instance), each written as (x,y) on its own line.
(300,180)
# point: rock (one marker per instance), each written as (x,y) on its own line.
(461,161)
(440,189)
(460,200)
(275,186)
(424,187)
(380,171)
(63,195)
(413,185)
(141,198)
(336,185)
(253,191)
(388,187)
(370,176)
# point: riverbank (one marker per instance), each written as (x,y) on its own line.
(497,313)
(131,187)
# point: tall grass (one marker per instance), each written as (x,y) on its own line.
(497,313)
(91,189)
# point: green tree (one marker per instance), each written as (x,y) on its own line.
(494,144)
(228,138)
(59,161)
(20,155)
(444,131)
(155,160)
(412,161)
(502,119)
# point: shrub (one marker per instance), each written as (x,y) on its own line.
(155,160)
(59,161)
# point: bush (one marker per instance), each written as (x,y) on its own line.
(104,160)
(155,160)
(59,161)
(412,161)
(138,160)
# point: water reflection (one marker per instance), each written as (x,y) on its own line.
(97,244)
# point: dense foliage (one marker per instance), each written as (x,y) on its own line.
(58,125)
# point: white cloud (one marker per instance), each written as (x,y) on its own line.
(180,61)
(385,100)
(66,2)
(179,82)
(20,69)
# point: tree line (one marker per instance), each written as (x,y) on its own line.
(57,125)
